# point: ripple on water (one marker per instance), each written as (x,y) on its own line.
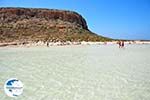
(78,73)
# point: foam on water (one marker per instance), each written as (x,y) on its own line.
(78,72)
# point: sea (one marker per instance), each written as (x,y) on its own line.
(77,72)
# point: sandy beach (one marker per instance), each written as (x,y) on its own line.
(41,43)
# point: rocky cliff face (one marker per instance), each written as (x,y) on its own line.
(24,24)
(8,15)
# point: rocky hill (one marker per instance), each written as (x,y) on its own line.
(29,24)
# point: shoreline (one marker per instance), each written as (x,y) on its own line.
(49,44)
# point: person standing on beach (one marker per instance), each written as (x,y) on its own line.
(47,44)
(122,44)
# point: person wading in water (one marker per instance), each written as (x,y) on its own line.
(121,44)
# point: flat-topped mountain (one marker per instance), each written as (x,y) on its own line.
(30,24)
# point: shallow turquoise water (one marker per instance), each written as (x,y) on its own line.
(78,72)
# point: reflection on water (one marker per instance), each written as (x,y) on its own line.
(78,72)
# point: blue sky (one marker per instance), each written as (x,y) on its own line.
(124,19)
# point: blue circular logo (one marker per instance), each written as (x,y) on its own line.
(13,87)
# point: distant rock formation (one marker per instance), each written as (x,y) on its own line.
(30,24)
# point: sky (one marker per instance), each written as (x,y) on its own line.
(118,19)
